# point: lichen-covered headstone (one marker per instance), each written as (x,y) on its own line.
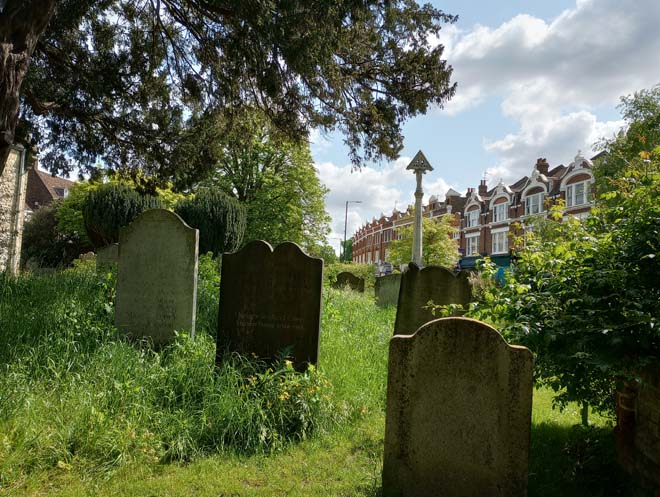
(419,286)
(458,417)
(353,282)
(157,277)
(270,303)
(107,257)
(386,289)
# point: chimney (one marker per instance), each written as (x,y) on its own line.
(542,166)
(483,188)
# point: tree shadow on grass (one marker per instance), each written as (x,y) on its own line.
(576,461)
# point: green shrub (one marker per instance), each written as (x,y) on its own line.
(221,220)
(366,271)
(110,207)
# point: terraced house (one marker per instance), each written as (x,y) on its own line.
(487,218)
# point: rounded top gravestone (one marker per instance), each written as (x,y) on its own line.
(270,303)
(432,283)
(458,418)
(157,277)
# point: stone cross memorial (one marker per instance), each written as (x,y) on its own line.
(354,282)
(270,303)
(419,286)
(458,416)
(157,277)
(386,289)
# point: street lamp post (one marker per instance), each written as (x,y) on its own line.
(343,249)
(419,165)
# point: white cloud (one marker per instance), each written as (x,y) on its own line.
(379,189)
(551,76)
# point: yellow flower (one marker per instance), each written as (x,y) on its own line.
(284,395)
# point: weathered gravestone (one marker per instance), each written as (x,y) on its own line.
(107,257)
(354,282)
(387,289)
(270,303)
(458,418)
(418,287)
(157,277)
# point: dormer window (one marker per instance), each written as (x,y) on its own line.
(577,194)
(500,212)
(534,203)
(473,218)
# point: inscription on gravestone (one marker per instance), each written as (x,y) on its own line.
(387,289)
(458,416)
(431,283)
(346,278)
(157,277)
(270,302)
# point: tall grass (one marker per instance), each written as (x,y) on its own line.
(75,394)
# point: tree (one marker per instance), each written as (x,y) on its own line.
(347,250)
(133,82)
(112,206)
(220,219)
(584,296)
(274,178)
(439,248)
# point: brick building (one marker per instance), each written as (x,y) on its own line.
(485,217)
(43,188)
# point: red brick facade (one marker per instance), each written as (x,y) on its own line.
(486,217)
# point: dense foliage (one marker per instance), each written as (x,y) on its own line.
(43,245)
(439,248)
(273,177)
(220,219)
(584,296)
(135,82)
(110,207)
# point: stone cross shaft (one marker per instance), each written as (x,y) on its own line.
(419,165)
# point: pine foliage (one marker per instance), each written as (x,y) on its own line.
(221,220)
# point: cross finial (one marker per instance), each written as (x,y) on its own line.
(419,163)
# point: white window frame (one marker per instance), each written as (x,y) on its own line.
(533,200)
(472,218)
(572,196)
(472,244)
(500,241)
(503,213)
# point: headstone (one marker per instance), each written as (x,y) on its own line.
(87,256)
(418,287)
(458,417)
(270,303)
(107,257)
(354,282)
(157,278)
(387,289)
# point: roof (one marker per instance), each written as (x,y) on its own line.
(52,182)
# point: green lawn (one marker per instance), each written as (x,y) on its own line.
(84,414)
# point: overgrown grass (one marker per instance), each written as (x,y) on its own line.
(83,412)
(74,394)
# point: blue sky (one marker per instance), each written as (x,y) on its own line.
(535,79)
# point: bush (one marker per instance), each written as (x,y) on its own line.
(221,220)
(110,207)
(44,244)
(366,271)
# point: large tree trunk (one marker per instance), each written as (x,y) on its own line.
(22,22)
